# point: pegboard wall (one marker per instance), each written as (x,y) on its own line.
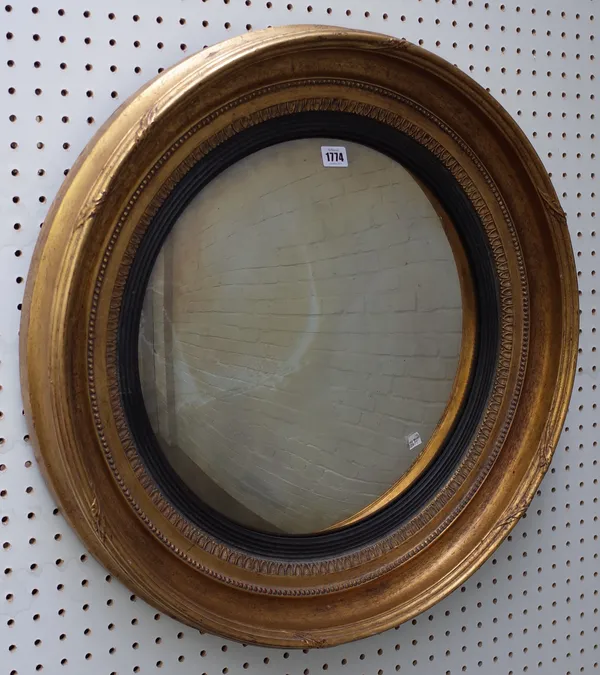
(65,66)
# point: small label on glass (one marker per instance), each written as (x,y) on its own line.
(334,155)
(413,440)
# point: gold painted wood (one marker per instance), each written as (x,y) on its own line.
(74,292)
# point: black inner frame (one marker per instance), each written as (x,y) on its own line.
(425,166)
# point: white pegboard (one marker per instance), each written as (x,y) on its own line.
(65,66)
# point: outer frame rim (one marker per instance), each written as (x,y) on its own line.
(45,375)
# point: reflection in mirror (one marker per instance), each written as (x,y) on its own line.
(302,325)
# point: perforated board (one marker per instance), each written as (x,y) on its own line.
(65,66)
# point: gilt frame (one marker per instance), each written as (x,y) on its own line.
(271,592)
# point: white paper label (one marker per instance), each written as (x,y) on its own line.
(334,155)
(413,440)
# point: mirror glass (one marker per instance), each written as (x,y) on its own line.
(300,335)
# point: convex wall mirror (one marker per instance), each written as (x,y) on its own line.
(300,334)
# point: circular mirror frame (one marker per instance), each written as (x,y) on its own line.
(79,333)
